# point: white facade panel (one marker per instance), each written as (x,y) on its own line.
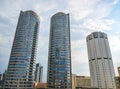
(102,43)
(101,73)
(108,49)
(94,73)
(92,49)
(89,51)
(97,48)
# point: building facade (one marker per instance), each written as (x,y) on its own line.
(74,81)
(79,82)
(117,82)
(20,74)
(59,60)
(100,61)
(38,73)
(1,76)
(2,79)
(83,81)
(39,85)
(117,79)
(118,70)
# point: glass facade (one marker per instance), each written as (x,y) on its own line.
(38,73)
(20,74)
(59,60)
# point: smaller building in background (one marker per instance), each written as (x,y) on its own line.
(2,79)
(38,73)
(1,82)
(117,79)
(39,85)
(81,82)
(119,71)
(1,76)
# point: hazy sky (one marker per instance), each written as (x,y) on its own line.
(86,16)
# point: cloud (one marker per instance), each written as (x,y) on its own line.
(97,24)
(89,8)
(114,42)
(79,57)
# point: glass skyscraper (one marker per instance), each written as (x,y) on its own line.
(59,60)
(20,74)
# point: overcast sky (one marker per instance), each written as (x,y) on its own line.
(86,16)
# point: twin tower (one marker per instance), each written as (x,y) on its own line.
(20,72)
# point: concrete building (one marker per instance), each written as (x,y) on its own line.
(83,81)
(117,82)
(100,61)
(38,85)
(20,74)
(117,79)
(119,71)
(80,82)
(74,81)
(38,73)
(59,60)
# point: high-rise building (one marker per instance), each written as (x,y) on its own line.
(100,61)
(20,74)
(38,73)
(59,60)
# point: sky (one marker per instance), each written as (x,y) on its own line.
(86,16)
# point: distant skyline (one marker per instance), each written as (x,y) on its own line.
(85,17)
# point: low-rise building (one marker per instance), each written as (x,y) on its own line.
(38,85)
(117,82)
(118,71)
(117,79)
(81,82)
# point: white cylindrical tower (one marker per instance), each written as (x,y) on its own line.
(100,61)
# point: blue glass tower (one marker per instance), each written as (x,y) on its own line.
(59,60)
(20,74)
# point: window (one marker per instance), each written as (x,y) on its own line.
(95,35)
